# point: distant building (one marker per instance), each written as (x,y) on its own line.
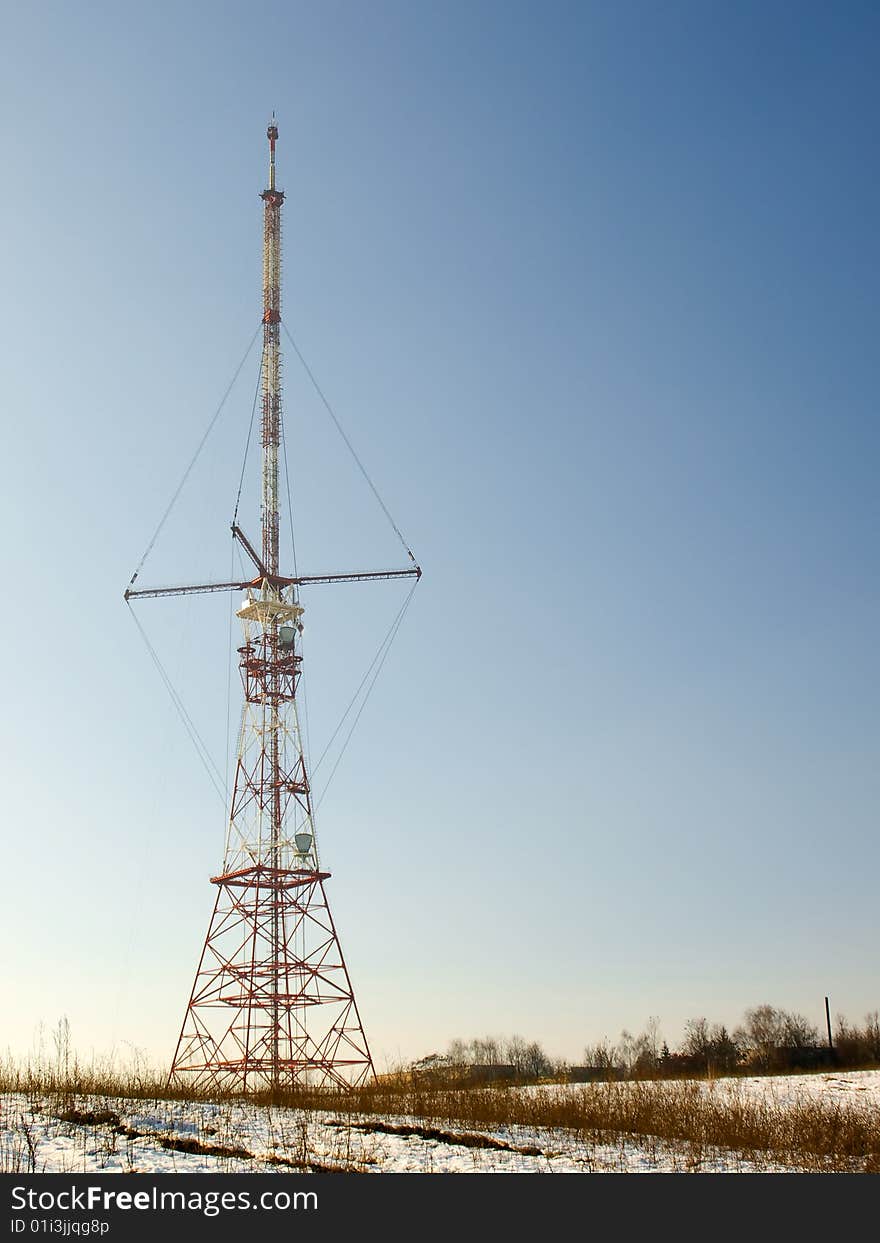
(591,1074)
(438,1068)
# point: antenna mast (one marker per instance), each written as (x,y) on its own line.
(271,439)
(271,428)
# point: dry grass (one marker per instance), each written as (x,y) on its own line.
(699,1119)
(709,1117)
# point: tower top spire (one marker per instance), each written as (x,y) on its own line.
(272,135)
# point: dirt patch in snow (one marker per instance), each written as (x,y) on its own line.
(465,1139)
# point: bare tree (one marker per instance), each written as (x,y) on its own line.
(872,1035)
(798,1032)
(652,1037)
(486,1051)
(457,1052)
(603,1056)
(764,1028)
(639,1054)
(710,1047)
(696,1038)
(479,1051)
(536,1062)
(515,1052)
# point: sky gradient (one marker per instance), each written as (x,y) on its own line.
(593,291)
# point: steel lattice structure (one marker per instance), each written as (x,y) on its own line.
(272,1005)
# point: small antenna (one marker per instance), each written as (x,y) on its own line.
(272,134)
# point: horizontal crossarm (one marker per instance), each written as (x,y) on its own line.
(275,580)
(307,579)
(149,592)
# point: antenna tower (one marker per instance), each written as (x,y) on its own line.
(272,1006)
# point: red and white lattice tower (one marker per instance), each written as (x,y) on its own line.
(272,1003)
(272,1006)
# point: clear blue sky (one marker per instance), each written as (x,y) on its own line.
(593,289)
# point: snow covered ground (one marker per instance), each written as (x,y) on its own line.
(858,1088)
(115,1136)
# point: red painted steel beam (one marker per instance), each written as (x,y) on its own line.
(250,550)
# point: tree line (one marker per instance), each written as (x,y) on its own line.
(767,1039)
